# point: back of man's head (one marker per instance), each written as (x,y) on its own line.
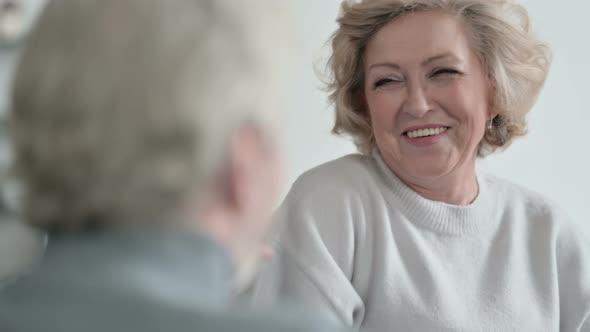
(122,110)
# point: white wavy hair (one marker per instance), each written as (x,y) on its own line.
(122,108)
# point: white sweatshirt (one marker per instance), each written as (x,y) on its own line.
(358,245)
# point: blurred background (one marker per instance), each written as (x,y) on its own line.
(20,247)
(553,159)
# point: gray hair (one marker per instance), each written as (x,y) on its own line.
(500,34)
(122,109)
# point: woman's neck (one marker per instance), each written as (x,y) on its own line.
(459,187)
(461,194)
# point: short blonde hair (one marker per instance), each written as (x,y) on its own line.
(514,58)
(122,109)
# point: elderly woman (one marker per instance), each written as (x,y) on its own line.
(407,235)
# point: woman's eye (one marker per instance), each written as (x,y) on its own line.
(386,81)
(444,71)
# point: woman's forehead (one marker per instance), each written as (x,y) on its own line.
(418,37)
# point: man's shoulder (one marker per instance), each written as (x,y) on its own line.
(261,320)
(42,310)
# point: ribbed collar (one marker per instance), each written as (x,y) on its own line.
(439,216)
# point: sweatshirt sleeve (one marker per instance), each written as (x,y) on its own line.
(573,255)
(313,260)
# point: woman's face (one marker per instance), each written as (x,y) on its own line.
(427,94)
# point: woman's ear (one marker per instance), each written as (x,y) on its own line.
(492,90)
(360,102)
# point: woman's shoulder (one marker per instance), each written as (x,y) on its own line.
(350,173)
(519,199)
(515,191)
(340,168)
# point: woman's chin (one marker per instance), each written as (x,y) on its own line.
(422,163)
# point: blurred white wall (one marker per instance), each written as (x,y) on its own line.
(553,159)
(20,247)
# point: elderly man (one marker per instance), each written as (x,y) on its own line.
(143,136)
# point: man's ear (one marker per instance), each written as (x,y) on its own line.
(245,158)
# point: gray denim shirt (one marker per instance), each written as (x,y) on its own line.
(136,281)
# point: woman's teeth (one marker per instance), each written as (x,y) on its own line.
(425,132)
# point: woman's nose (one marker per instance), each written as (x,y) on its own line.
(417,103)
